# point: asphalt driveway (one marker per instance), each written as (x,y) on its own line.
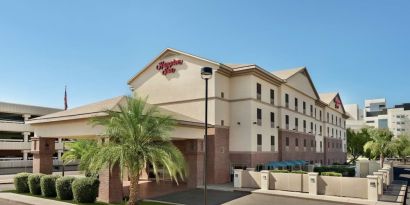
(195,197)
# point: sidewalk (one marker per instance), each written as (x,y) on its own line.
(29,200)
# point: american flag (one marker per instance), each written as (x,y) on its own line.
(65,98)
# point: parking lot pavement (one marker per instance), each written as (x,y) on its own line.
(195,197)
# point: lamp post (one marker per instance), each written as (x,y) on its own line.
(206,74)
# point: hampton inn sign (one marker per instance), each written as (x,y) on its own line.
(167,67)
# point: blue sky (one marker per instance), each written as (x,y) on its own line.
(359,48)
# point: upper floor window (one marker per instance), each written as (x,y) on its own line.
(259,116)
(332,118)
(296,123)
(286,100)
(311,127)
(304,142)
(320,115)
(320,130)
(272,120)
(272,97)
(272,143)
(296,142)
(259,142)
(328,119)
(304,107)
(311,110)
(315,112)
(304,125)
(258,91)
(296,104)
(287,141)
(287,121)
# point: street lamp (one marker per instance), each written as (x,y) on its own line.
(206,74)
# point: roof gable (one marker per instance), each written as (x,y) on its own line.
(166,53)
(298,78)
(333,100)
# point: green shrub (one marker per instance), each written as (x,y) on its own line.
(63,188)
(85,190)
(333,174)
(48,185)
(279,171)
(34,183)
(21,182)
(344,170)
(298,172)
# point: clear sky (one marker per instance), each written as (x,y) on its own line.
(359,48)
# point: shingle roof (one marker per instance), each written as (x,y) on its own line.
(98,109)
(327,97)
(285,74)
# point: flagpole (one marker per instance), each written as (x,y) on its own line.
(62,140)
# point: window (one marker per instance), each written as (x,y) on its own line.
(315,129)
(311,143)
(296,104)
(287,141)
(296,123)
(296,142)
(315,112)
(304,125)
(287,100)
(311,127)
(320,115)
(258,91)
(340,122)
(332,132)
(320,130)
(287,121)
(304,142)
(258,116)
(311,110)
(336,120)
(272,143)
(328,119)
(332,118)
(272,97)
(222,122)
(304,107)
(259,142)
(222,95)
(321,146)
(328,131)
(272,120)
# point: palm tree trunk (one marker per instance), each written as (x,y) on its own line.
(134,190)
(381,160)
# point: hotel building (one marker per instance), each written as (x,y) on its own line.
(15,135)
(256,116)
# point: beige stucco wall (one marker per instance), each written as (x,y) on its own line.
(342,186)
(251,179)
(289,182)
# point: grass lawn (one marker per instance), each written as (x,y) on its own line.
(96,203)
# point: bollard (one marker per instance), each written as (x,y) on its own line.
(265,180)
(313,176)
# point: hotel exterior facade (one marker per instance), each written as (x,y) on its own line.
(258,116)
(255,117)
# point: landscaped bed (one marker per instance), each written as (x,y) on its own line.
(82,190)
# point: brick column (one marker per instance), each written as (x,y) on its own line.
(43,150)
(110,190)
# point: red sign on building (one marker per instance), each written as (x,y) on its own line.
(338,102)
(167,67)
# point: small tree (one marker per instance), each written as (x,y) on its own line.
(402,146)
(355,143)
(381,144)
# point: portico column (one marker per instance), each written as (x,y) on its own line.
(25,154)
(42,150)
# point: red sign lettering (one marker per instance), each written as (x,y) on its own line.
(338,102)
(167,67)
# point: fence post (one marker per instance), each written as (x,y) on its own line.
(237,179)
(312,180)
(265,180)
(372,188)
(388,175)
(379,182)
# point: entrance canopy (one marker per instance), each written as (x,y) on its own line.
(75,123)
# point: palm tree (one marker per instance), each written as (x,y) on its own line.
(81,150)
(381,144)
(138,134)
(402,145)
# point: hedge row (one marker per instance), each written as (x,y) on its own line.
(82,190)
(286,171)
(345,171)
(333,174)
